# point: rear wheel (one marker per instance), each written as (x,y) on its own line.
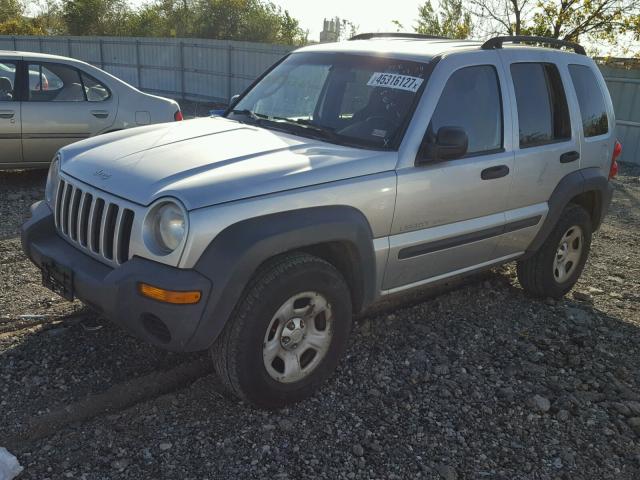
(287,332)
(557,265)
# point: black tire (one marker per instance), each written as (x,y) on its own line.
(536,273)
(238,352)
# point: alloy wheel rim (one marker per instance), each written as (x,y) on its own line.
(298,337)
(568,254)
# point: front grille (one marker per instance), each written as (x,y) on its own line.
(98,225)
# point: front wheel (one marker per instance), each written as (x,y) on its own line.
(287,332)
(557,265)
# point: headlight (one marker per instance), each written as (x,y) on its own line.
(53,179)
(165,227)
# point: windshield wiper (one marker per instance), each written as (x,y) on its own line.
(299,126)
(306,125)
(257,117)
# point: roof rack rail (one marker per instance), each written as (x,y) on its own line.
(496,42)
(369,36)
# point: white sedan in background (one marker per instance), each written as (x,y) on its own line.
(47,102)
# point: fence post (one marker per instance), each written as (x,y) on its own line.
(229,72)
(15,43)
(181,55)
(40,44)
(69,48)
(101,54)
(138,66)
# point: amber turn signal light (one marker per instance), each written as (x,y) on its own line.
(169,296)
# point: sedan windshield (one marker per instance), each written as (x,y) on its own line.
(345,99)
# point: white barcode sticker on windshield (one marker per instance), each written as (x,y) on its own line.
(393,80)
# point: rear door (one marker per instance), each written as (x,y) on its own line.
(62,105)
(10,125)
(546,138)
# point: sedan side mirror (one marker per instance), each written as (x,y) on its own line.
(450,143)
(234,99)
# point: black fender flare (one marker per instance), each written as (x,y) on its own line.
(237,252)
(572,185)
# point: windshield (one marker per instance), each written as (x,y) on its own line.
(346,99)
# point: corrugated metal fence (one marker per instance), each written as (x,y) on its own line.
(214,70)
(623,79)
(193,69)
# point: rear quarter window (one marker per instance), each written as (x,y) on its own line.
(591,101)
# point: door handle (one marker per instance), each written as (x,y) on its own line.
(100,113)
(7,113)
(569,157)
(494,172)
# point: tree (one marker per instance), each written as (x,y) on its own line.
(96,17)
(290,31)
(10,10)
(398,25)
(49,16)
(348,29)
(452,20)
(21,26)
(565,19)
(247,20)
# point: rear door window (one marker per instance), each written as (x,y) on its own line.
(471,100)
(54,82)
(543,114)
(592,109)
(7,81)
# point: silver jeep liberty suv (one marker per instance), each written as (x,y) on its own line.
(346,173)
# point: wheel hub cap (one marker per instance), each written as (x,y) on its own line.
(292,334)
(568,254)
(298,337)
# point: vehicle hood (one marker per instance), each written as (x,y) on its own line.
(212,160)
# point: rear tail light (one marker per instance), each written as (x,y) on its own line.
(617,150)
(178,116)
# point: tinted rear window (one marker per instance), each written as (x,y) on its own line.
(591,101)
(543,115)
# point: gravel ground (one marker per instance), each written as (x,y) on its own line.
(472,381)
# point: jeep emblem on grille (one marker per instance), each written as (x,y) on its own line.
(102,174)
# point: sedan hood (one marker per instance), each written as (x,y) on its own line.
(212,160)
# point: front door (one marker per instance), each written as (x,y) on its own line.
(449,214)
(10,125)
(57,111)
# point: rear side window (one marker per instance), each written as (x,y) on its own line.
(7,81)
(471,100)
(96,91)
(594,114)
(543,114)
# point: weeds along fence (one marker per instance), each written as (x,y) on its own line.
(191,69)
(204,70)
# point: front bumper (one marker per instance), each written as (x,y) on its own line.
(114,292)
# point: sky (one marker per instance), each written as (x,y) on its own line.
(367,15)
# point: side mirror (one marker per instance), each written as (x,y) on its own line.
(450,143)
(234,99)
